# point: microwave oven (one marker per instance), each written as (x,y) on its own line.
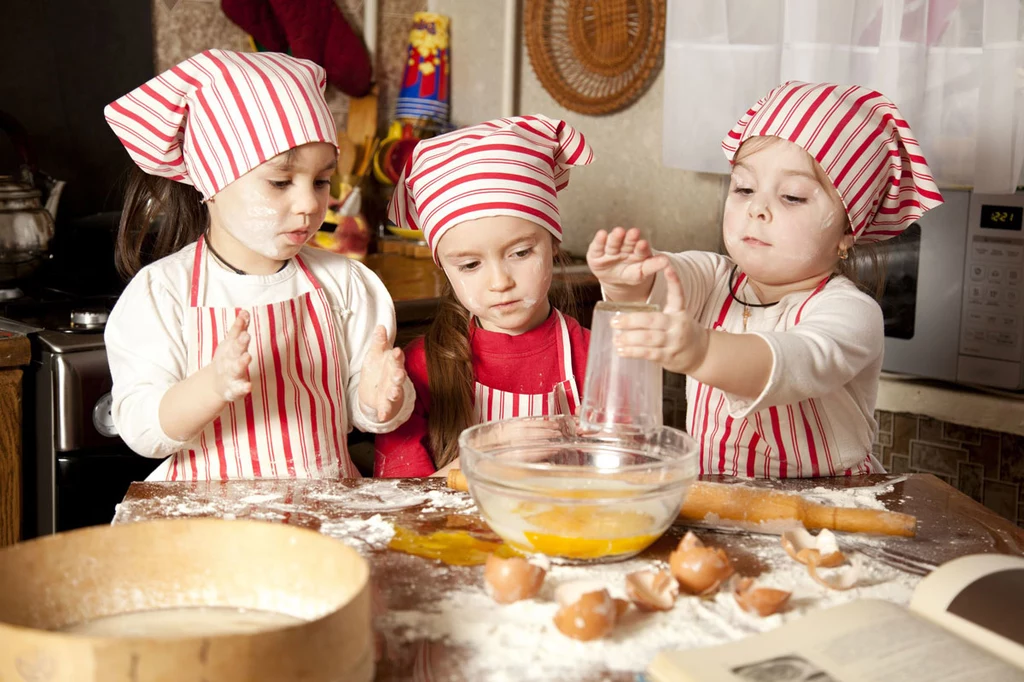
(953,300)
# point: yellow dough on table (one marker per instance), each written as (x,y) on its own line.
(456,548)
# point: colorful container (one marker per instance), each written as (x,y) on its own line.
(424,94)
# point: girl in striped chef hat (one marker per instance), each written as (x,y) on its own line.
(781,349)
(486,200)
(238,352)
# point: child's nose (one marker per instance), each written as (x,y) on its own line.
(757,209)
(500,278)
(307,201)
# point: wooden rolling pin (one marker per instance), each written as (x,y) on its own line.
(710,502)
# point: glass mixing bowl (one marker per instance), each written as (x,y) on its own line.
(546,488)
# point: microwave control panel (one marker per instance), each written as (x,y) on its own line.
(993,311)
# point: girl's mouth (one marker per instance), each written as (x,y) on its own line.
(297,236)
(753,241)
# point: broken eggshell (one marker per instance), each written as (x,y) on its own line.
(821,549)
(764,601)
(841,578)
(512,579)
(586,613)
(652,590)
(700,570)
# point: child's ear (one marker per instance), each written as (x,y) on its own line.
(847,241)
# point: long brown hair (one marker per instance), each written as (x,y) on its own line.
(160,216)
(450,364)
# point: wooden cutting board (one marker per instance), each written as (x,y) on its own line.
(362,121)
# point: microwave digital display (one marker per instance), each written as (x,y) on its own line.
(1001,217)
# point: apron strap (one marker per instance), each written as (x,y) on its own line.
(566,348)
(198,271)
(309,273)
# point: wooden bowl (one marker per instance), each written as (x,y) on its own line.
(55,582)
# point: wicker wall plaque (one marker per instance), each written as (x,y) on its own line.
(595,56)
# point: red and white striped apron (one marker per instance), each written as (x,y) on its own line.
(564,398)
(782,441)
(292,424)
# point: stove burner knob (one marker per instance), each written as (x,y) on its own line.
(102,418)
(88,319)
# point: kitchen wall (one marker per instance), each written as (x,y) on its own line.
(627,183)
(182,28)
(985,465)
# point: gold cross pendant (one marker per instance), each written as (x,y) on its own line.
(746,316)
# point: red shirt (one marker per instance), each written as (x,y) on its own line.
(527,363)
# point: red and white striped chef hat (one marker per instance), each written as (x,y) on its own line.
(214,117)
(862,142)
(509,166)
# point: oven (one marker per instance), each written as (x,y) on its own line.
(954,284)
(76,467)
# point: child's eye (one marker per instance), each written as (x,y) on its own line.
(745,191)
(468,267)
(789,198)
(523,253)
(320,184)
(280,184)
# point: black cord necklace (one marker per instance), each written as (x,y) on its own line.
(228,265)
(732,293)
(746,306)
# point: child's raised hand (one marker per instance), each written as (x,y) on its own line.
(231,361)
(672,338)
(624,264)
(382,380)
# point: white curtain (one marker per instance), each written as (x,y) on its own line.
(955,68)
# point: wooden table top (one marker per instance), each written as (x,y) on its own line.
(15,350)
(418,599)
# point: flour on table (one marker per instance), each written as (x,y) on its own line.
(439,499)
(865,498)
(373,532)
(379,495)
(260,499)
(520,640)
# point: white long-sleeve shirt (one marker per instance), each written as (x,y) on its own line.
(815,415)
(145,335)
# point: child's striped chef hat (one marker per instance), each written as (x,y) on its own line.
(214,117)
(862,142)
(510,166)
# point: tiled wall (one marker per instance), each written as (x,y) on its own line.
(986,465)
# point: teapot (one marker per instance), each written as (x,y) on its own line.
(26,223)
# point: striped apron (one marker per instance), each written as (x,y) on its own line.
(292,424)
(491,404)
(781,441)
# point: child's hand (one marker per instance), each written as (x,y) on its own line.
(624,264)
(381,384)
(672,338)
(231,361)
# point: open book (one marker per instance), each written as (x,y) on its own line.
(965,622)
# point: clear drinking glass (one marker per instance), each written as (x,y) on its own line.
(620,395)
